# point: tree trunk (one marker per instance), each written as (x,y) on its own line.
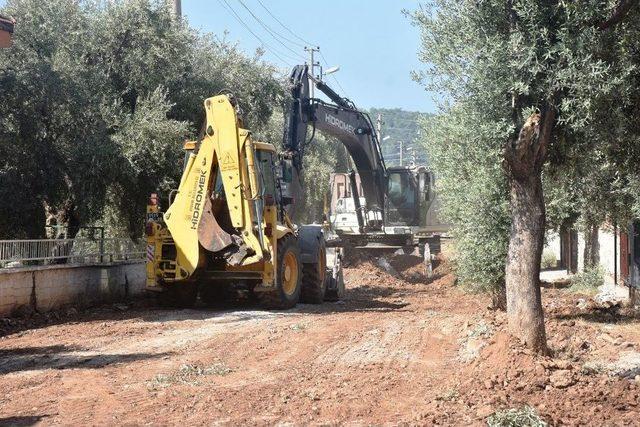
(524,305)
(591,247)
(573,247)
(499,298)
(524,157)
(569,246)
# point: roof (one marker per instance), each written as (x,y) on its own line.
(6,24)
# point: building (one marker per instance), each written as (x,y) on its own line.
(6,31)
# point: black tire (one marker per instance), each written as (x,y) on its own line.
(314,283)
(277,298)
(179,295)
(336,291)
(214,294)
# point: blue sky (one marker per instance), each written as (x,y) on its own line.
(372,41)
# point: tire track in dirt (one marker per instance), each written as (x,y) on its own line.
(366,360)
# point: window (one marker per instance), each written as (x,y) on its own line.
(265,159)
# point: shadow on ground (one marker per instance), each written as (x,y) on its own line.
(606,315)
(359,299)
(20,421)
(62,357)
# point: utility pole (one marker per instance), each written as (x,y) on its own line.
(412,156)
(400,153)
(313,65)
(177,9)
(379,128)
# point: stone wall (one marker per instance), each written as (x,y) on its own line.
(45,288)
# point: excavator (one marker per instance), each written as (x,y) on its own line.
(397,200)
(231,222)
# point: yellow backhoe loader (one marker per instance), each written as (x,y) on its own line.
(227,224)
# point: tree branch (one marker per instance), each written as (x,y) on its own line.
(619,13)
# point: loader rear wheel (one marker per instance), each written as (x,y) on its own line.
(314,283)
(289,277)
(180,295)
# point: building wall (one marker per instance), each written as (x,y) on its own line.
(46,288)
(606,241)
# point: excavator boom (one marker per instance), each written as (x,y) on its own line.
(352,127)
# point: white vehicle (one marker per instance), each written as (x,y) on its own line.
(411,208)
(344,217)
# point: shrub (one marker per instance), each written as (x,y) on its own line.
(525,416)
(549,259)
(472,189)
(588,280)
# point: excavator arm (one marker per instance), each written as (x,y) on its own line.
(352,127)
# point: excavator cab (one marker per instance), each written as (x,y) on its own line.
(408,196)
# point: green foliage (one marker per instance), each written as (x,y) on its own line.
(472,189)
(97,100)
(522,417)
(548,259)
(320,160)
(497,63)
(588,280)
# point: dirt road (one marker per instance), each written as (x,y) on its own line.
(411,349)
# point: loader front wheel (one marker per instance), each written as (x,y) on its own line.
(314,283)
(289,277)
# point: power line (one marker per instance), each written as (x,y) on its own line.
(230,9)
(285,27)
(276,36)
(271,31)
(333,76)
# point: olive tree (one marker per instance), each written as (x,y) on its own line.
(533,72)
(97,99)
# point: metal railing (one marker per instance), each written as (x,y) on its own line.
(17,253)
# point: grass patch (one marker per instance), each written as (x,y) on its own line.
(548,260)
(188,374)
(587,281)
(482,329)
(298,327)
(449,395)
(525,416)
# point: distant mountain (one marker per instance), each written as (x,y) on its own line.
(400,125)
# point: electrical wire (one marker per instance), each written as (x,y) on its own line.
(285,27)
(273,51)
(335,79)
(276,36)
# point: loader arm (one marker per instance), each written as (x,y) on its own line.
(224,149)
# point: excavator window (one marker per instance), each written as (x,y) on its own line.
(402,191)
(424,185)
